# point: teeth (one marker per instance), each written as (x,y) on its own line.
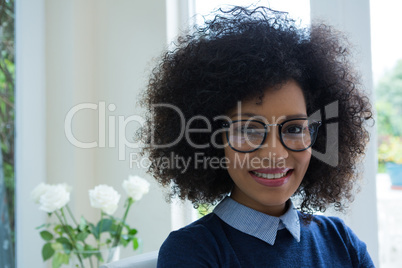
(269,176)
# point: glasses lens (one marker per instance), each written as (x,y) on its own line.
(298,134)
(246,135)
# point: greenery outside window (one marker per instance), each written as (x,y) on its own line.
(7,78)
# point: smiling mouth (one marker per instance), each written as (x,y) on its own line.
(270,176)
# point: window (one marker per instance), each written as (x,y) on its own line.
(7,82)
(387,76)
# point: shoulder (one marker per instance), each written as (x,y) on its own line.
(195,244)
(333,227)
(335,230)
(202,228)
(329,223)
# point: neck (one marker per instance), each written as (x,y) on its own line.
(272,210)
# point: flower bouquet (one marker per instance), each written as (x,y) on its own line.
(390,149)
(80,241)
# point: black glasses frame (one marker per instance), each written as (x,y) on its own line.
(316,125)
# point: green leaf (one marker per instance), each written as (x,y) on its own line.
(70,229)
(113,229)
(104,225)
(59,259)
(83,224)
(89,247)
(80,247)
(66,229)
(82,236)
(94,230)
(42,226)
(124,242)
(46,235)
(132,232)
(135,243)
(57,229)
(63,240)
(67,246)
(47,251)
(57,246)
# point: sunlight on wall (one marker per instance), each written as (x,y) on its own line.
(386,38)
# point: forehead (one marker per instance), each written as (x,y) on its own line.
(286,100)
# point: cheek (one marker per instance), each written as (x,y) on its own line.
(229,153)
(302,159)
(230,163)
(237,163)
(230,156)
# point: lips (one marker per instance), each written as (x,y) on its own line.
(268,175)
(271,177)
(271,173)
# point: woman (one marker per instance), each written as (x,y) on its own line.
(238,102)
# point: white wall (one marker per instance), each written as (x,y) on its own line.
(100,51)
(71,52)
(353,18)
(30,136)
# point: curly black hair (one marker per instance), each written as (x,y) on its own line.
(237,55)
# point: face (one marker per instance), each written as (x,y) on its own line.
(266,178)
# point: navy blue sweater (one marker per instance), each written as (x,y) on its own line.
(210,242)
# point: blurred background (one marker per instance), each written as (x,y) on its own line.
(71,75)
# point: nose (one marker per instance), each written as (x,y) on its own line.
(272,146)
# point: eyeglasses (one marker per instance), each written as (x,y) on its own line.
(247,136)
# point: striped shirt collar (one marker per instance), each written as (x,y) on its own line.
(258,224)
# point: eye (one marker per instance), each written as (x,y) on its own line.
(293,129)
(249,129)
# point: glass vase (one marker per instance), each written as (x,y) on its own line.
(94,258)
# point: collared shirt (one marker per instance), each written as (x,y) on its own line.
(258,224)
(249,241)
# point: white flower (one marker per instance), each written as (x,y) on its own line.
(104,197)
(136,187)
(38,191)
(66,186)
(55,197)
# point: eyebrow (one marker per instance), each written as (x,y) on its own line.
(286,116)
